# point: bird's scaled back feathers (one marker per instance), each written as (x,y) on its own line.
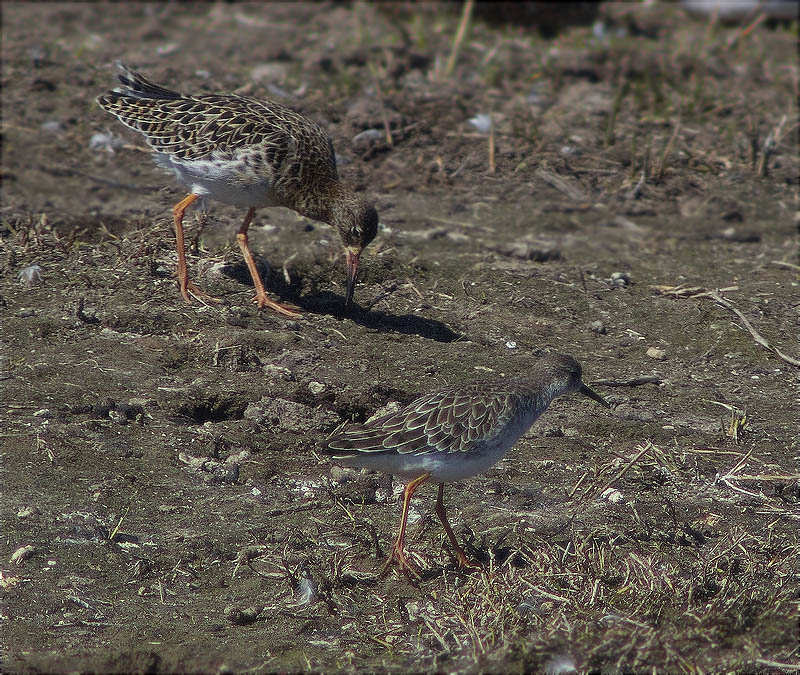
(446,421)
(462,420)
(201,127)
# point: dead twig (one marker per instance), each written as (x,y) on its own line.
(700,292)
(787,265)
(577,485)
(633,382)
(682,291)
(767,476)
(756,335)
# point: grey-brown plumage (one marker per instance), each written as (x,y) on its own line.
(246,152)
(455,433)
(451,420)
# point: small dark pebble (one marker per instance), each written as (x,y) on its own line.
(227,473)
(598,327)
(129,411)
(620,279)
(103,408)
(241,617)
(739,236)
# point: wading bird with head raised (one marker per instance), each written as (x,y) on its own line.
(453,434)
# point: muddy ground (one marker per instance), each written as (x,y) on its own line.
(163,508)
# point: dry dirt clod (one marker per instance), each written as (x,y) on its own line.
(22,554)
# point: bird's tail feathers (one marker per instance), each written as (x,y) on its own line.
(139,87)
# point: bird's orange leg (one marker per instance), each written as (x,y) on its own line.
(398,553)
(187,286)
(261,299)
(460,555)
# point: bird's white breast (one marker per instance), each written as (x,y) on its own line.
(226,182)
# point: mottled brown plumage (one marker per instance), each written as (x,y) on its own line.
(246,152)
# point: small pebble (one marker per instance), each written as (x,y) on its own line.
(238,458)
(269,72)
(306,589)
(52,126)
(390,407)
(482,123)
(118,417)
(225,474)
(612,495)
(559,665)
(367,137)
(342,474)
(598,327)
(30,276)
(620,279)
(241,617)
(166,49)
(22,554)
(316,388)
(105,141)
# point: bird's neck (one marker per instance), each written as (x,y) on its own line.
(538,399)
(321,203)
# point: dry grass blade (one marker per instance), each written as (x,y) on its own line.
(771,143)
(647,446)
(570,190)
(662,163)
(387,129)
(463,26)
(747,30)
(491,146)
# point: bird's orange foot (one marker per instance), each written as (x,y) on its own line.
(263,301)
(406,566)
(465,562)
(191,290)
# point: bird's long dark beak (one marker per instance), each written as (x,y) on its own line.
(586,391)
(352,272)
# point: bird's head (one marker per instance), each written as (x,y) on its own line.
(357,224)
(565,374)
